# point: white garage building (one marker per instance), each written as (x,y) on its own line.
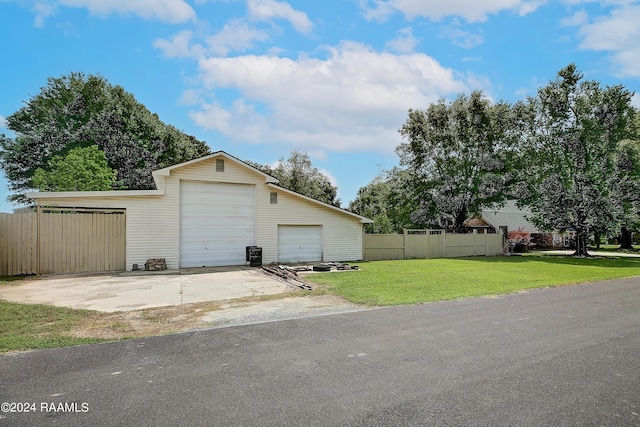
(205,212)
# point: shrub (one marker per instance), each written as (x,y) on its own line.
(519,240)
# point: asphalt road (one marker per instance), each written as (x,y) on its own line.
(550,357)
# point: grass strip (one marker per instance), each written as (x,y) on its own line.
(382,283)
(34,326)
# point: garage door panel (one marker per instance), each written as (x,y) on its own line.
(216,223)
(299,243)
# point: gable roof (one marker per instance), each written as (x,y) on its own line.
(477,222)
(167,171)
(510,216)
(160,174)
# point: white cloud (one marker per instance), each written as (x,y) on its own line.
(332,179)
(179,46)
(405,42)
(635,100)
(527,7)
(380,11)
(355,99)
(577,19)
(235,36)
(190,97)
(603,2)
(265,10)
(240,121)
(460,37)
(174,11)
(471,11)
(42,11)
(3,121)
(617,33)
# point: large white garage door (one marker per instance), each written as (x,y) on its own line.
(216,223)
(299,243)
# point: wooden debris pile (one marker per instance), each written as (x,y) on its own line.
(154,264)
(287,275)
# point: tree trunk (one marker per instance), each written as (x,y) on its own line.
(597,239)
(459,220)
(625,239)
(581,245)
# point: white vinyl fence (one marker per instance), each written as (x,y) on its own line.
(430,244)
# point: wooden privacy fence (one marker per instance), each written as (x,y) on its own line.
(62,242)
(430,244)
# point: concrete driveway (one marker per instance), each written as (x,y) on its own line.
(125,291)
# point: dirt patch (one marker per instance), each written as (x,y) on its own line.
(185,317)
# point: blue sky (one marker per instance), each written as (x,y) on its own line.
(258,78)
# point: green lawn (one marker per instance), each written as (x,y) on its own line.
(610,248)
(31,326)
(417,281)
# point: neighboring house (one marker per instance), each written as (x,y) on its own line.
(504,219)
(479,225)
(205,212)
(512,218)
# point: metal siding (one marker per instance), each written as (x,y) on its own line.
(299,243)
(342,234)
(216,223)
(82,242)
(152,223)
(206,171)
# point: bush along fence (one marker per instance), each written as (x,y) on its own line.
(430,244)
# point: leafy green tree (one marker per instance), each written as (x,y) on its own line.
(83,169)
(372,202)
(298,174)
(387,201)
(571,179)
(458,155)
(625,188)
(76,110)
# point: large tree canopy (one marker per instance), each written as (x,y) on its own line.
(625,189)
(576,159)
(76,111)
(298,174)
(458,154)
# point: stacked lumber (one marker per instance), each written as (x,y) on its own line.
(287,276)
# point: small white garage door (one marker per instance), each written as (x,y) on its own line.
(217,223)
(299,243)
